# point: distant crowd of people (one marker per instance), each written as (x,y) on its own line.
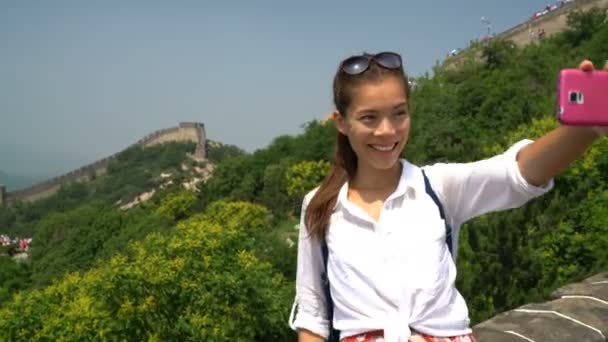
(19,245)
(550,8)
(540,33)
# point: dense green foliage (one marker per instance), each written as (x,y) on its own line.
(218,152)
(260,176)
(13,277)
(303,176)
(81,223)
(510,258)
(215,266)
(75,239)
(201,282)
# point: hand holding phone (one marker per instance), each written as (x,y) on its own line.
(582,97)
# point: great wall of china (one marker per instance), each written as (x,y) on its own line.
(552,22)
(185,131)
(575,312)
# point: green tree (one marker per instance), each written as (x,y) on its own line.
(200,282)
(72,240)
(14,277)
(305,176)
(499,53)
(273,194)
(582,26)
(218,152)
(176,206)
(267,242)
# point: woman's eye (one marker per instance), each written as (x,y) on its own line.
(402,112)
(367,118)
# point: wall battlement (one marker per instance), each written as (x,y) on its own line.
(185,131)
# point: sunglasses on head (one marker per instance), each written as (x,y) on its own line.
(357,65)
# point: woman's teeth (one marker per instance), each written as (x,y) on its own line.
(384,148)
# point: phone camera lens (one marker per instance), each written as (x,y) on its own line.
(575,97)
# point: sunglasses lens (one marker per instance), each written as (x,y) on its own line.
(389,60)
(355,65)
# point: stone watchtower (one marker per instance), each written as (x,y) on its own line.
(201,147)
(2,195)
(194,131)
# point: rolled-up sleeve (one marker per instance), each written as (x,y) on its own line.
(472,189)
(310,302)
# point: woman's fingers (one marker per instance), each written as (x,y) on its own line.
(586,65)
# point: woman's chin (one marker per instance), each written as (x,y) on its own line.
(383,163)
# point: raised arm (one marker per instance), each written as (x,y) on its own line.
(509,180)
(553,153)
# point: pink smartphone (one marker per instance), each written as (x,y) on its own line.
(582,97)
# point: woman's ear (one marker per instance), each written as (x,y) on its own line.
(339,121)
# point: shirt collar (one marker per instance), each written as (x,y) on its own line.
(409,181)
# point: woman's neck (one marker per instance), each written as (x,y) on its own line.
(369,178)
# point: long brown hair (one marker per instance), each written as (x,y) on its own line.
(344,167)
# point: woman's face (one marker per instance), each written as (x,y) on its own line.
(377,123)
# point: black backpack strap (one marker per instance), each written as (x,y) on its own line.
(448,228)
(334,335)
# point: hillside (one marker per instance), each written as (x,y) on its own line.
(133,176)
(193,132)
(84,222)
(217,262)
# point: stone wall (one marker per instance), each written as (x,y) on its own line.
(186,131)
(552,22)
(576,312)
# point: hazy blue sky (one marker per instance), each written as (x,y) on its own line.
(83,79)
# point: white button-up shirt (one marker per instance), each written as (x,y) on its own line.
(396,273)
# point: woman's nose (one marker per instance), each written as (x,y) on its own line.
(385,127)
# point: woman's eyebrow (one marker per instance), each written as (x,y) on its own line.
(402,104)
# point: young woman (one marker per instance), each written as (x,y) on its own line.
(391,273)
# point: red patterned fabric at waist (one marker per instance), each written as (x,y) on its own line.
(378,336)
